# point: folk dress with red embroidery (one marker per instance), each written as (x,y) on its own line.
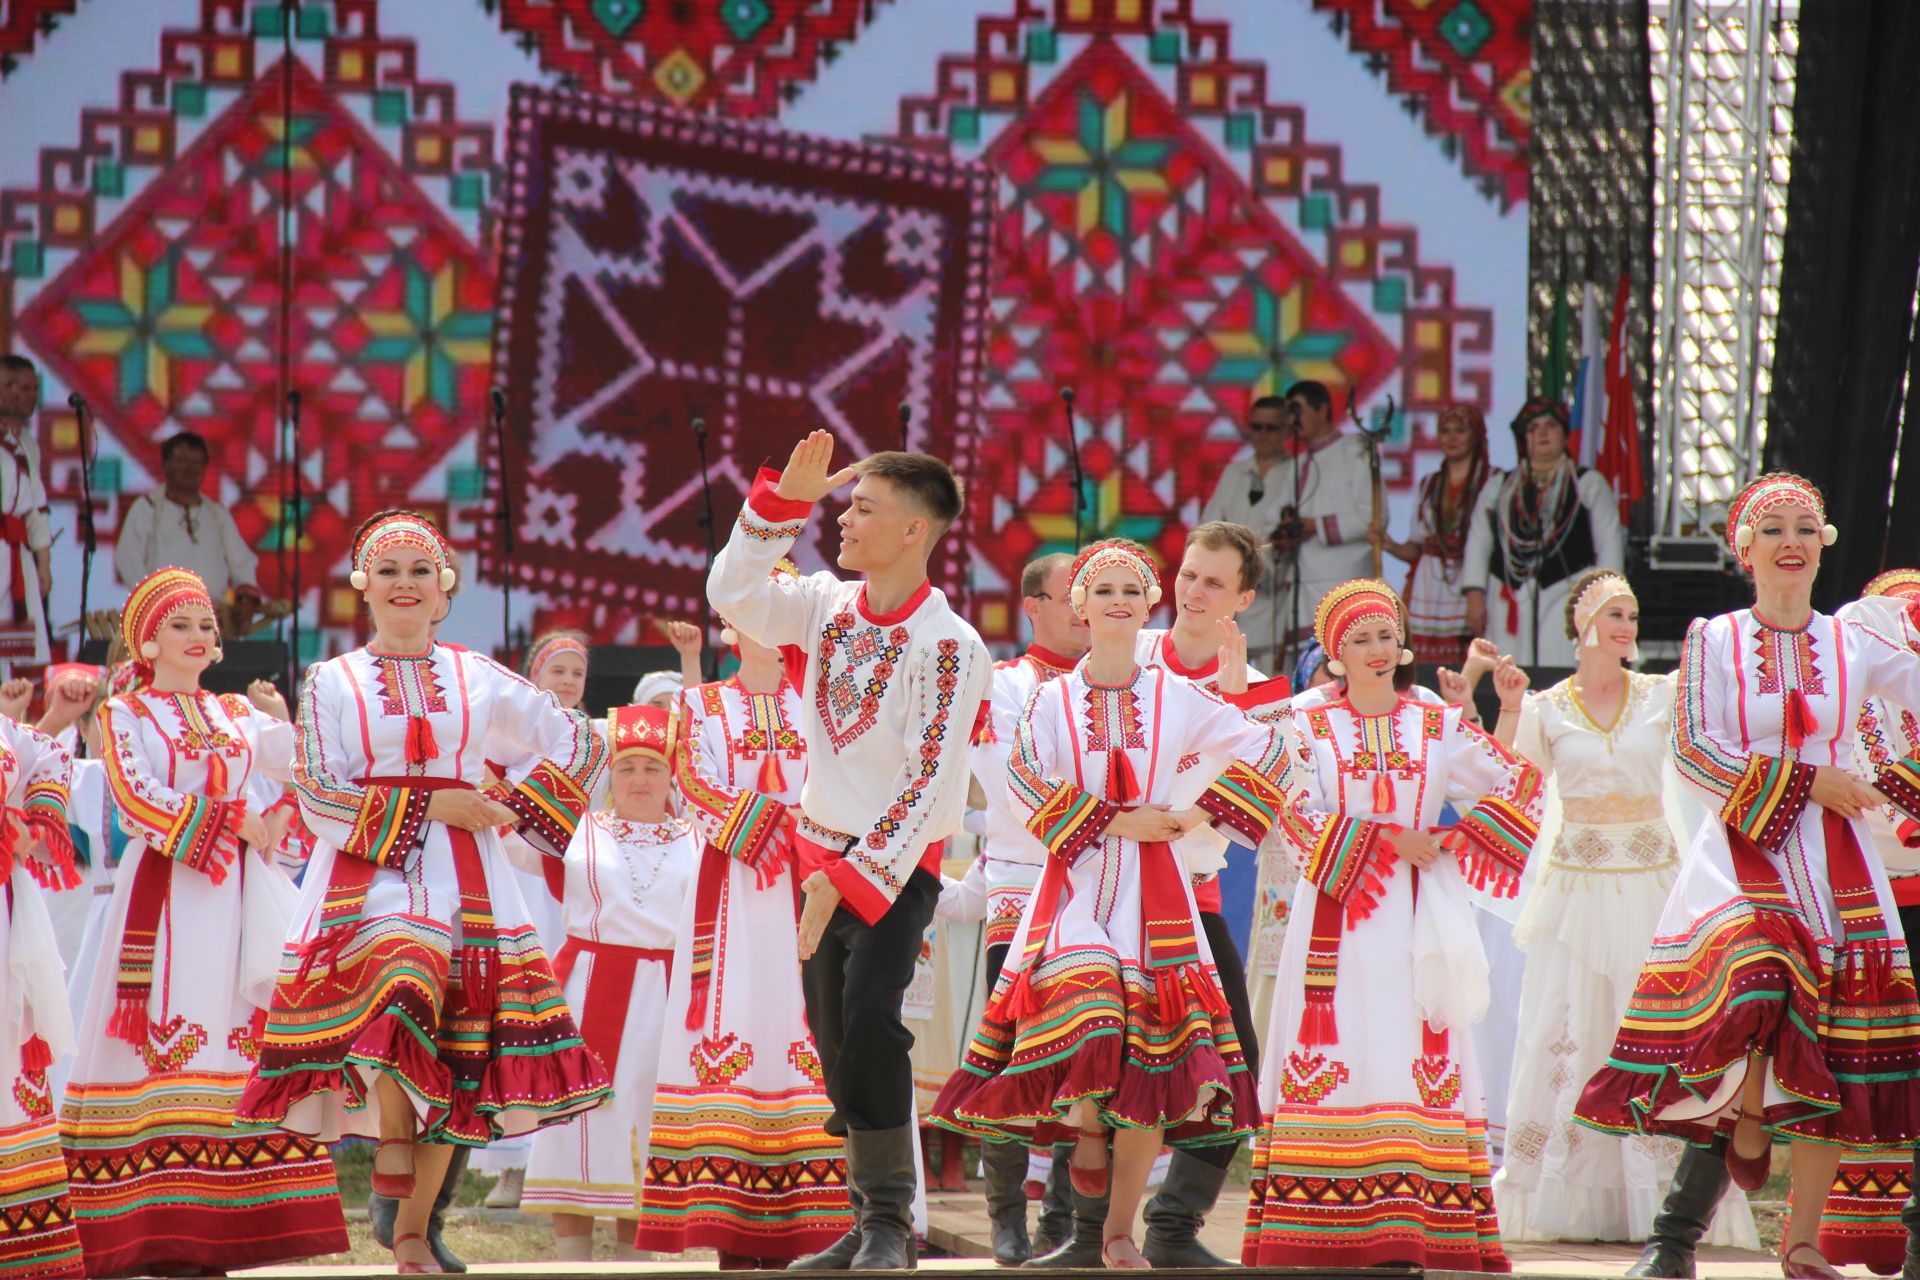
(1110,994)
(411,951)
(163,1178)
(998,885)
(1781,933)
(740,1159)
(889,703)
(37,1234)
(627,885)
(1373,1149)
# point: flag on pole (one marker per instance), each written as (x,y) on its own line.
(1589,385)
(1554,373)
(1619,456)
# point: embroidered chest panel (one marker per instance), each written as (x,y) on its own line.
(1113,720)
(767,726)
(1382,745)
(1788,660)
(201,732)
(408,686)
(857,662)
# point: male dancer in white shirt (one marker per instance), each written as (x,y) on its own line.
(893,685)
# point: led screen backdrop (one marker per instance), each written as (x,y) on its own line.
(1187,202)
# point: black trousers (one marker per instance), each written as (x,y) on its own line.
(855,985)
(1233,985)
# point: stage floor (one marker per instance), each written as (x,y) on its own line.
(957,1225)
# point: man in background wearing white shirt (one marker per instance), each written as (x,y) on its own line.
(179,527)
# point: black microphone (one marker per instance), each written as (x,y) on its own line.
(906,418)
(699,425)
(77,402)
(499,403)
(1066,393)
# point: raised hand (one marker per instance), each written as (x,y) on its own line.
(1233,657)
(263,695)
(1453,686)
(1510,681)
(15,694)
(807,477)
(685,637)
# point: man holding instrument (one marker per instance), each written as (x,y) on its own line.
(1320,540)
(26,534)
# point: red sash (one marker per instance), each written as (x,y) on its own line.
(603,1011)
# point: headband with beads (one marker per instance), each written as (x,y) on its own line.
(1349,604)
(1769,494)
(1102,556)
(550,648)
(402,529)
(1904,583)
(1602,591)
(160,595)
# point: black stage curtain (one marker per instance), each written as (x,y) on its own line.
(1844,345)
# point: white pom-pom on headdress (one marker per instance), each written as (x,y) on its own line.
(1335,667)
(729,637)
(359,579)
(150,650)
(447,578)
(1828,535)
(1406,657)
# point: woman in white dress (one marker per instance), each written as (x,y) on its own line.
(740,1160)
(1108,1017)
(1601,737)
(1442,513)
(627,873)
(163,1179)
(1777,998)
(1374,1147)
(414,1001)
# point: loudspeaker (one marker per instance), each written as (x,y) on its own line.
(613,670)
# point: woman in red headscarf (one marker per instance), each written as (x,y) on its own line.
(1778,999)
(414,1001)
(1436,609)
(162,1180)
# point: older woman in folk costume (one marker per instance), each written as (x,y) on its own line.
(1601,736)
(740,1160)
(1108,1018)
(1778,998)
(414,1001)
(1545,523)
(163,1179)
(1442,514)
(1374,1148)
(37,1028)
(626,873)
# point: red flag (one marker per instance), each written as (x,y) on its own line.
(1619,456)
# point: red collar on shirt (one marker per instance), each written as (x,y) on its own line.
(1170,658)
(1048,661)
(901,614)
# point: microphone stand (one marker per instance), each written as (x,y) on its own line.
(89,543)
(297,518)
(503,514)
(709,663)
(1079,475)
(1371,441)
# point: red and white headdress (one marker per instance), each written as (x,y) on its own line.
(1348,605)
(643,730)
(1768,494)
(1106,554)
(401,530)
(160,595)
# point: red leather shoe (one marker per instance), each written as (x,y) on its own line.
(395,1186)
(1749,1173)
(1089,1182)
(1811,1265)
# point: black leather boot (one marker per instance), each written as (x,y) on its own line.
(1175,1214)
(1004,1166)
(836,1256)
(1055,1225)
(1082,1248)
(437,1219)
(880,1163)
(1698,1183)
(1910,1219)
